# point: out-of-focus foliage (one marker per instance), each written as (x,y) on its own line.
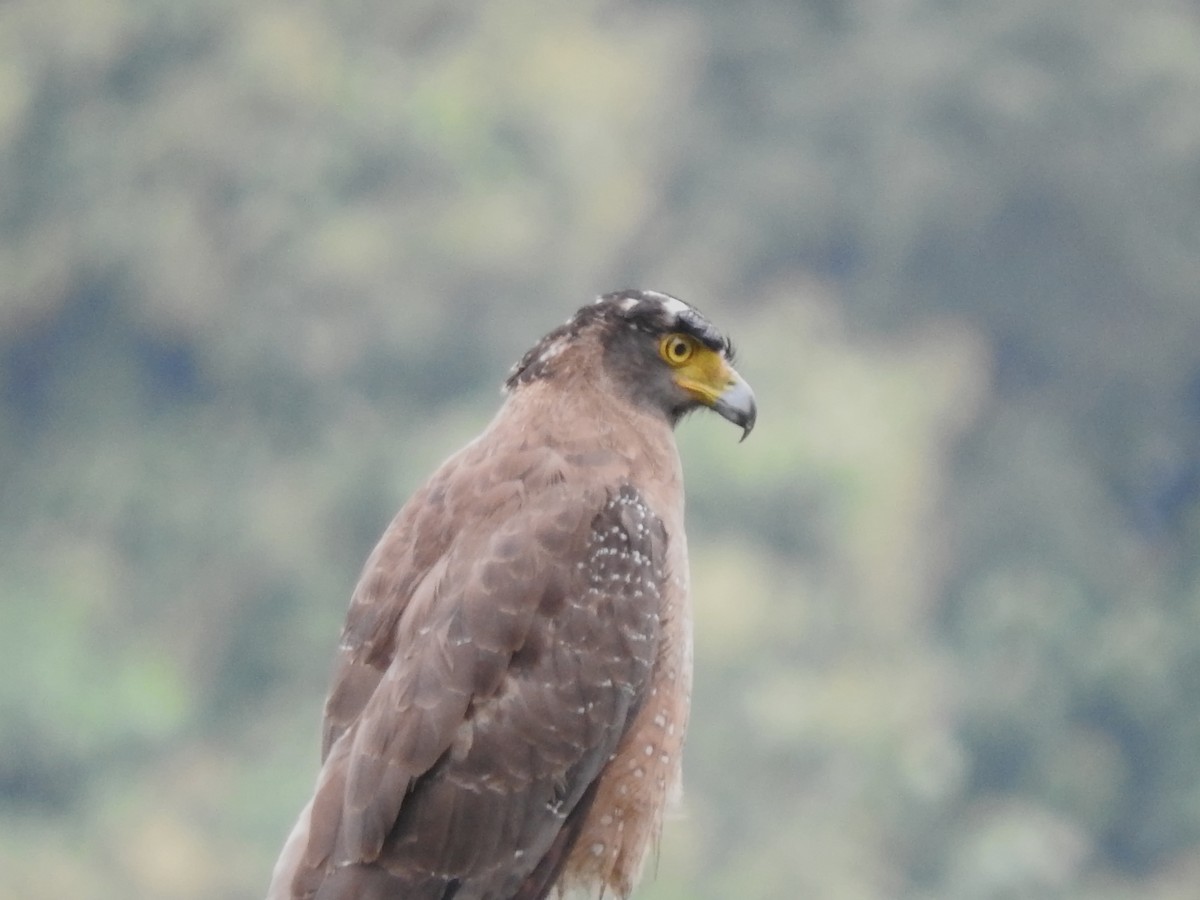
(262,265)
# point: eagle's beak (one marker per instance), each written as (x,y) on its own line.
(736,403)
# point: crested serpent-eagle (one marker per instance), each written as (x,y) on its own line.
(511,690)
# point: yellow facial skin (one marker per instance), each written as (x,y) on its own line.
(707,375)
(701,372)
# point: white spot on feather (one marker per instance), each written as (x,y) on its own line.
(671,304)
(552,350)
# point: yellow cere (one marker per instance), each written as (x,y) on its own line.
(700,371)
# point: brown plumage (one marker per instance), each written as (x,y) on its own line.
(511,691)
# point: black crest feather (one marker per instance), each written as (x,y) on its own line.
(647,311)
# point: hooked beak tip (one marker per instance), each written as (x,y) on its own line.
(737,404)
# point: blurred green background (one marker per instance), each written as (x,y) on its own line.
(264,264)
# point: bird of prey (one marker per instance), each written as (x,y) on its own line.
(512,686)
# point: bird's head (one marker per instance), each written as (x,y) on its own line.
(657,350)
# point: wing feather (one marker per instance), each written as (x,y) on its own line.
(483,684)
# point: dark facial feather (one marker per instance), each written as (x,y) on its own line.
(644,312)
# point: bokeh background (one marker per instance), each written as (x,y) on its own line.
(264,263)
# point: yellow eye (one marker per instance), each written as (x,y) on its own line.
(676,348)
